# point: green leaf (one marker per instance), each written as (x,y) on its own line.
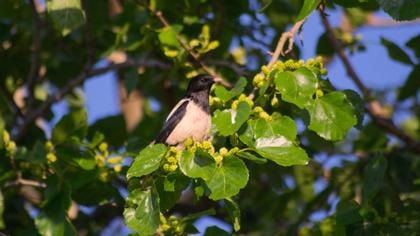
(71,125)
(142,211)
(358,105)
(402,9)
(347,213)
(283,155)
(215,231)
(225,95)
(246,134)
(281,126)
(371,138)
(251,157)
(228,125)
(275,140)
(147,161)
(414,44)
(411,85)
(73,154)
(53,219)
(2,225)
(67,15)
(374,177)
(198,165)
(332,116)
(168,36)
(228,178)
(113,128)
(170,188)
(234,213)
(395,52)
(297,87)
(307,8)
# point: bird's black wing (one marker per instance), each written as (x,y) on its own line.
(172,121)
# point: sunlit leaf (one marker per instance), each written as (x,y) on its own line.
(297,87)
(147,161)
(225,95)
(307,8)
(332,116)
(228,122)
(227,179)
(142,211)
(67,15)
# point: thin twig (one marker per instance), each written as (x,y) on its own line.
(374,108)
(88,73)
(185,45)
(237,68)
(286,36)
(35,55)
(26,182)
(289,37)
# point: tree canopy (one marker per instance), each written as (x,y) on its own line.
(276,120)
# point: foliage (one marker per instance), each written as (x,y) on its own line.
(260,170)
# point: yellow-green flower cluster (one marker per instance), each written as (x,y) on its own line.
(8,143)
(208,147)
(116,162)
(259,111)
(192,146)
(171,159)
(102,154)
(103,158)
(223,152)
(293,65)
(289,65)
(214,101)
(316,64)
(242,98)
(51,157)
(170,226)
(259,79)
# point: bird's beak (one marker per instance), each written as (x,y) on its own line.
(217,79)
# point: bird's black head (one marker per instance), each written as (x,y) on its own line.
(200,83)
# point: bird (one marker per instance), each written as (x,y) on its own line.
(190,118)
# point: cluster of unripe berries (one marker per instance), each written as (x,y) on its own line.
(208,147)
(170,226)
(51,157)
(9,144)
(171,159)
(102,158)
(259,111)
(315,65)
(223,152)
(242,98)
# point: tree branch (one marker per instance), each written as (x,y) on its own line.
(237,68)
(374,108)
(35,55)
(289,37)
(185,45)
(88,73)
